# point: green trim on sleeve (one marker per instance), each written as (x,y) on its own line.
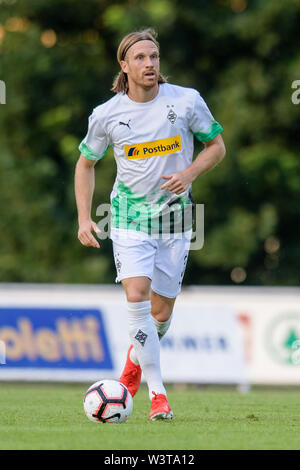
(88,153)
(212,132)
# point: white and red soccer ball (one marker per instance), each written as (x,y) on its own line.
(108,401)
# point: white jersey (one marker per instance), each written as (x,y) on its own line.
(149,140)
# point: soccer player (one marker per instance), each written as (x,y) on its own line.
(151,125)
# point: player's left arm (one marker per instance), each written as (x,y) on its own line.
(212,154)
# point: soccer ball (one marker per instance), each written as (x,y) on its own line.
(108,401)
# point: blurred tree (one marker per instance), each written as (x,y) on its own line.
(58,60)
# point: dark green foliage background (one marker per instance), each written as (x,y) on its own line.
(242,57)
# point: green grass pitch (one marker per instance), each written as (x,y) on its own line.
(50,416)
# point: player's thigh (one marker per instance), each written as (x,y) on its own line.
(134,260)
(169,267)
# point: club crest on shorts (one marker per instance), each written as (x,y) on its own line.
(141,337)
(118,263)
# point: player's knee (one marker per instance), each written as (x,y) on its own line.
(136,298)
(162,317)
(137,295)
(161,307)
(163,314)
(137,290)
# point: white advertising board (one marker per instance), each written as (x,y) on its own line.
(218,335)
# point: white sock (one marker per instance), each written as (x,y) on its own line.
(161,328)
(144,338)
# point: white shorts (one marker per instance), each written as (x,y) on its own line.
(162,261)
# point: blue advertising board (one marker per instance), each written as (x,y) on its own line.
(58,338)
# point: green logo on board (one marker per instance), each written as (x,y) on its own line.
(283,339)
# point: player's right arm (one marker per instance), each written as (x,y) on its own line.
(84,189)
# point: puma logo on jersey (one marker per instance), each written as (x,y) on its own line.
(153,149)
(125,123)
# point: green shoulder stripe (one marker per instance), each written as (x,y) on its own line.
(212,132)
(89,153)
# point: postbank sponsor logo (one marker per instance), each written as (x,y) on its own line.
(153,149)
(55,338)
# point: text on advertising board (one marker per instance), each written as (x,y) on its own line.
(45,337)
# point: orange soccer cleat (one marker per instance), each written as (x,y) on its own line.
(131,375)
(160,408)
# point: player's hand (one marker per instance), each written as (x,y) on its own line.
(85,234)
(176,183)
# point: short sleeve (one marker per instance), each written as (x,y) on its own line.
(95,144)
(202,123)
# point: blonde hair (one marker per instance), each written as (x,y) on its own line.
(120,83)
